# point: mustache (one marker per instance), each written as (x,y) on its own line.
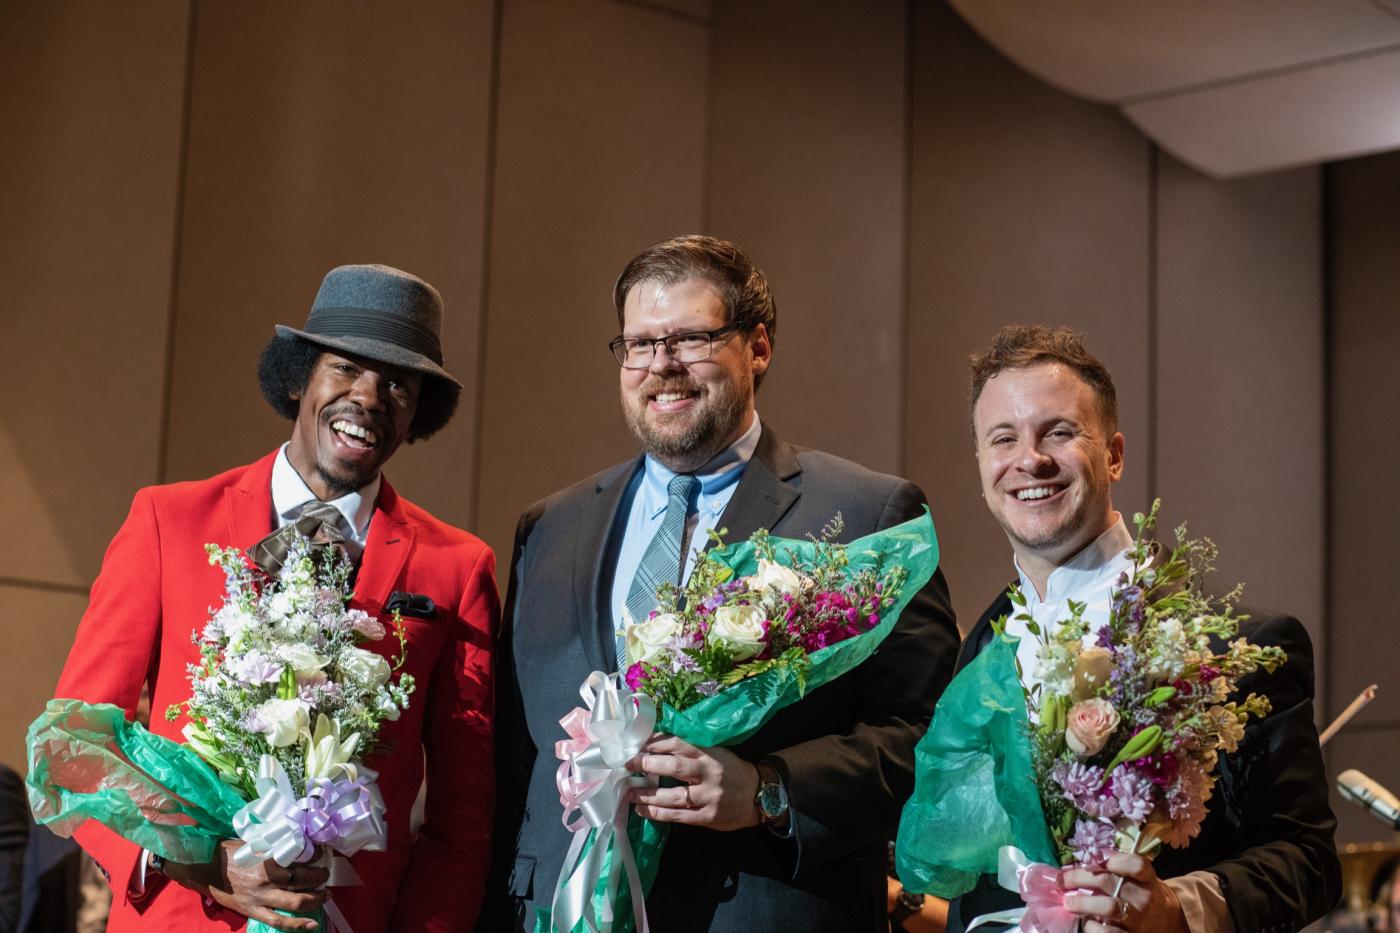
(655,386)
(350,410)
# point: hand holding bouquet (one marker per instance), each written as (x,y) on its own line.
(284,706)
(1112,746)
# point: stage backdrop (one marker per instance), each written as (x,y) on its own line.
(176,177)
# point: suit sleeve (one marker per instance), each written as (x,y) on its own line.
(515,755)
(114,654)
(845,791)
(1287,872)
(446,876)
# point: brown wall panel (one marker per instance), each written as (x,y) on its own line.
(321,135)
(1026,205)
(38,632)
(1240,435)
(599,153)
(807,172)
(1364,388)
(91,97)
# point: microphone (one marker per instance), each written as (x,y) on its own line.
(1364,792)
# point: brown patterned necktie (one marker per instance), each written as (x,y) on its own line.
(322,522)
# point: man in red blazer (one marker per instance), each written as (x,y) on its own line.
(363,376)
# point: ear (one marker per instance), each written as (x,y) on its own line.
(1115,457)
(761,348)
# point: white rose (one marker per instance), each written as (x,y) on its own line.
(364,667)
(740,629)
(283,721)
(645,640)
(302,658)
(783,579)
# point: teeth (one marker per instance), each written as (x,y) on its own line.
(665,397)
(354,430)
(1038,492)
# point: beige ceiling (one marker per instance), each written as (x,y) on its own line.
(1233,87)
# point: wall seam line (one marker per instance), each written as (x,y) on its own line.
(488,208)
(176,253)
(1154,180)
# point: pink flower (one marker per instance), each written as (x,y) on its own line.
(1089,725)
(362,623)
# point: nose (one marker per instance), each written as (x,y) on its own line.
(1031,459)
(370,390)
(661,359)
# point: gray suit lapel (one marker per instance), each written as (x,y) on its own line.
(591,553)
(764,494)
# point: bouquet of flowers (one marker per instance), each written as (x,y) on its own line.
(756,625)
(284,705)
(722,628)
(1112,748)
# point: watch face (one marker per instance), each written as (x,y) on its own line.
(772,800)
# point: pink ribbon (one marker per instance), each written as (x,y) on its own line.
(1045,901)
(572,791)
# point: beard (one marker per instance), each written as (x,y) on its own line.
(1049,538)
(685,441)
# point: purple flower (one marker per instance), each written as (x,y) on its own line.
(1092,842)
(1081,784)
(255,668)
(1133,792)
(707,688)
(635,677)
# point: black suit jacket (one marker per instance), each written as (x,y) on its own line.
(1268,829)
(845,751)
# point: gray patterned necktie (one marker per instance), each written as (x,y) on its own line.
(661,563)
(322,522)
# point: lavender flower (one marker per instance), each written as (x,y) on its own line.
(1133,793)
(1092,842)
(255,668)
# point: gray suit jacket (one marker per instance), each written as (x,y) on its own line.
(845,751)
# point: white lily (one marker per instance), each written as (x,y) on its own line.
(327,756)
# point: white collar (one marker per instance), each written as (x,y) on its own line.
(290,493)
(719,472)
(1094,568)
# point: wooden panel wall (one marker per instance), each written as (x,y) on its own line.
(907,189)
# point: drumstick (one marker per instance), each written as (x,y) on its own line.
(1357,705)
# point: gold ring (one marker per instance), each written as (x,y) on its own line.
(689,805)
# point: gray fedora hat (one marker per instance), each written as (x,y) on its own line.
(380,313)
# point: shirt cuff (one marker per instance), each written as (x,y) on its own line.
(1202,902)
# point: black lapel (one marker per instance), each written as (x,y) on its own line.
(980,636)
(592,545)
(764,494)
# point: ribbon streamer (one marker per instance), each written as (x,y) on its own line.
(344,815)
(1039,886)
(592,778)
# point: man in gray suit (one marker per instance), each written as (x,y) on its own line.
(787,830)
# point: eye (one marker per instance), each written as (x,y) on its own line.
(690,341)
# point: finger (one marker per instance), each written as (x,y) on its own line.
(670,815)
(1072,878)
(281,921)
(1102,906)
(302,902)
(673,797)
(1099,926)
(668,766)
(1131,866)
(303,877)
(664,744)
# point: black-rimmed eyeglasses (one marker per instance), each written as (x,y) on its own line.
(694,347)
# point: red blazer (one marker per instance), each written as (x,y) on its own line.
(156,587)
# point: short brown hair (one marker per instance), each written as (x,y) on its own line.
(742,286)
(1017,346)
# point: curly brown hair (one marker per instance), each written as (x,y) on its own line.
(1017,346)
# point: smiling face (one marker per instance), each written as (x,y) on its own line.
(351,417)
(684,414)
(1047,463)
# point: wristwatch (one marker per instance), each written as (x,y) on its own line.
(771,799)
(906,905)
(155,863)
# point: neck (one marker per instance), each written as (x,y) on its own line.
(1039,563)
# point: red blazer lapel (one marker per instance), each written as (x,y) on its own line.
(390,541)
(249,504)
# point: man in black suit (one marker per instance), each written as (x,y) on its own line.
(698,323)
(1044,417)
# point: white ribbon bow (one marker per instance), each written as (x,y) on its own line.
(592,778)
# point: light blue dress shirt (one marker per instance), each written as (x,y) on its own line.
(647,506)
